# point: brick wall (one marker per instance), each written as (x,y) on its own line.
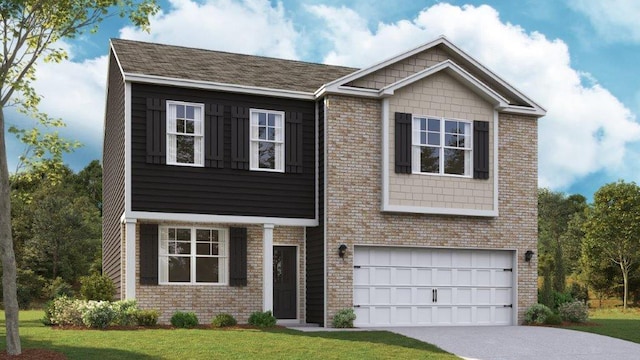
(353,215)
(209,300)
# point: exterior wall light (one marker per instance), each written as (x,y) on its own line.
(342,250)
(528,255)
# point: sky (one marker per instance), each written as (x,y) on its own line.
(576,58)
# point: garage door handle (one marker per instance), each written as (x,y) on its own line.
(434,295)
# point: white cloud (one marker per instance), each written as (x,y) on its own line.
(586,128)
(614,20)
(247,26)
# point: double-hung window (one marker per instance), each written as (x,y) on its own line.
(185,133)
(193,255)
(441,146)
(267,140)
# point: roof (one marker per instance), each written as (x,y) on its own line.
(177,62)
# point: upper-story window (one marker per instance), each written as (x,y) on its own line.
(185,133)
(441,146)
(267,140)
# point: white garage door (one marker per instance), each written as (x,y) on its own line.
(420,286)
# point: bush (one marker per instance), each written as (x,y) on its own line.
(579,292)
(65,311)
(553,319)
(560,298)
(262,319)
(223,320)
(46,319)
(537,314)
(97,287)
(58,287)
(344,318)
(125,312)
(147,317)
(98,314)
(185,320)
(28,287)
(574,311)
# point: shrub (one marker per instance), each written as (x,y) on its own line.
(344,318)
(184,319)
(560,298)
(579,292)
(97,287)
(537,314)
(147,317)
(28,287)
(46,319)
(574,311)
(223,320)
(125,312)
(262,319)
(553,319)
(65,311)
(98,314)
(58,287)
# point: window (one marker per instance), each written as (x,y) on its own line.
(441,146)
(193,255)
(267,140)
(185,129)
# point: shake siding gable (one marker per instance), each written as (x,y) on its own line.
(228,188)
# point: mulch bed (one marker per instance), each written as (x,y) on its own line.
(34,354)
(166,327)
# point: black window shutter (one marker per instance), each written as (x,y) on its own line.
(214,136)
(239,138)
(156,131)
(148,254)
(403,143)
(293,142)
(238,257)
(480,149)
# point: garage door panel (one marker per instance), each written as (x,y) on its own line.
(425,286)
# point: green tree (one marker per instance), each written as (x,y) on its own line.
(556,240)
(612,229)
(29,31)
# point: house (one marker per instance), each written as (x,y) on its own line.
(405,190)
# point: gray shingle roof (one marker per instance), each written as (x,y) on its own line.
(221,67)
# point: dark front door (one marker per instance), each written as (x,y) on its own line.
(284,282)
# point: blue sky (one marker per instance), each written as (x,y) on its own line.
(577,58)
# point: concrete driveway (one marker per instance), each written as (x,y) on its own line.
(522,343)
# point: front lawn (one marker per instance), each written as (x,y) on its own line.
(616,323)
(219,344)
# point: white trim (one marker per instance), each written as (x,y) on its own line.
(457,72)
(127,150)
(496,168)
(209,85)
(440,211)
(298,287)
(130,259)
(385,154)
(514,286)
(334,86)
(279,145)
(198,161)
(267,268)
(324,220)
(202,218)
(115,54)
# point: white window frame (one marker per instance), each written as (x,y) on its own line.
(416,146)
(163,256)
(254,140)
(198,134)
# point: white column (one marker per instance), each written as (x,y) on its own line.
(130,261)
(267,242)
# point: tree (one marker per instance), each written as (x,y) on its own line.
(612,229)
(556,240)
(29,31)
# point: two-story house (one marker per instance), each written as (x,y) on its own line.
(235,183)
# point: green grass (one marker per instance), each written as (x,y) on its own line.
(616,323)
(219,344)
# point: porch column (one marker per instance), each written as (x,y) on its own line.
(130,260)
(267,273)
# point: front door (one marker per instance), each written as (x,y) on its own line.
(284,282)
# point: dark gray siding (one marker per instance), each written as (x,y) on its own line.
(225,191)
(113,175)
(315,240)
